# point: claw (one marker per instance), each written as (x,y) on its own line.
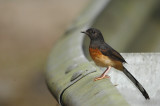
(101,77)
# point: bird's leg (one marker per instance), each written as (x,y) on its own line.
(104,75)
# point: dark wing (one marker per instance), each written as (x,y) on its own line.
(109,51)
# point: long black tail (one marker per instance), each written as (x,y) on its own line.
(136,83)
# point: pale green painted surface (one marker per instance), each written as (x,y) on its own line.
(68,66)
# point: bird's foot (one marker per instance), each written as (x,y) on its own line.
(101,77)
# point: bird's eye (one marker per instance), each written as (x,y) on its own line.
(93,32)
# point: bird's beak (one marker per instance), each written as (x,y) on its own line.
(84,32)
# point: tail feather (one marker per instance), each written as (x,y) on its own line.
(136,83)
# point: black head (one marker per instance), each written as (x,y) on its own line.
(94,34)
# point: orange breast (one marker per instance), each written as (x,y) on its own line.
(102,60)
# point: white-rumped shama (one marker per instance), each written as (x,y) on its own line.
(105,56)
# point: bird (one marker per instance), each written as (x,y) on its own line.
(104,55)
